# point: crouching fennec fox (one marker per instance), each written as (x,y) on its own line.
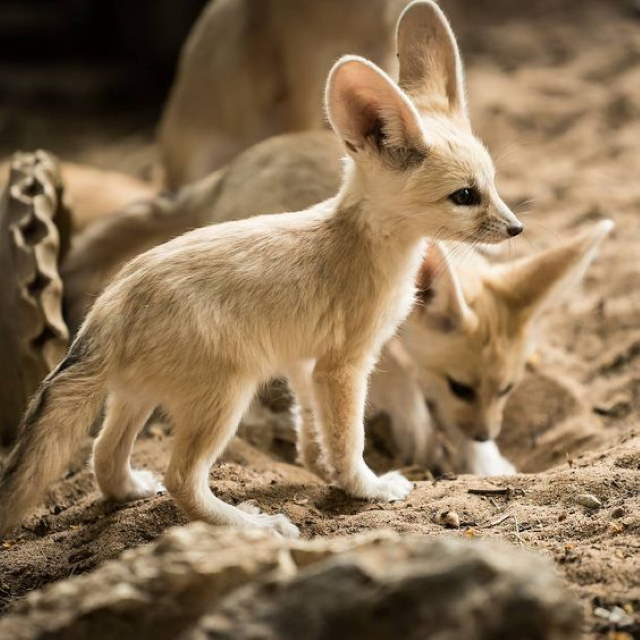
(464,346)
(197,323)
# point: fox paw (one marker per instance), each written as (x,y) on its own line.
(501,467)
(139,485)
(278,523)
(319,468)
(488,461)
(389,487)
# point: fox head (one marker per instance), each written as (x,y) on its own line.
(414,154)
(473,327)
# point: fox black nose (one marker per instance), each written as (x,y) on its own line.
(515,230)
(481,438)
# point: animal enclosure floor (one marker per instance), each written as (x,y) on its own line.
(555,94)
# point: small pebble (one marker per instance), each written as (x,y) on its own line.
(620,617)
(615,527)
(617,512)
(588,500)
(449,519)
(601,612)
(616,616)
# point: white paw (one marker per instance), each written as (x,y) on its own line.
(142,484)
(486,460)
(249,506)
(504,468)
(278,523)
(389,487)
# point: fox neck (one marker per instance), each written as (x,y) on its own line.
(374,208)
(394,246)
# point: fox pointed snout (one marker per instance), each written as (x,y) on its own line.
(511,225)
(515,229)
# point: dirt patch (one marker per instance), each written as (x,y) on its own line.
(595,547)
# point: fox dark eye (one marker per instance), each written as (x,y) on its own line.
(466,197)
(507,389)
(462,391)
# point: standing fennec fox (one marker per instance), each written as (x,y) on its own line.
(196,324)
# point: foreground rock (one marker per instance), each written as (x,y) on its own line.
(198,582)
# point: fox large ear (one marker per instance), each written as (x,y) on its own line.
(440,294)
(534,283)
(370,113)
(430,64)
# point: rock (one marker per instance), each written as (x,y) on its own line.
(198,582)
(588,500)
(448,519)
(616,616)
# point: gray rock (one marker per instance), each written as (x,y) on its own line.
(412,589)
(201,583)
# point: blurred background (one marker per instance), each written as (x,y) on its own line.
(76,73)
(84,65)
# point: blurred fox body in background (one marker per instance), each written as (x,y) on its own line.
(250,70)
(196,324)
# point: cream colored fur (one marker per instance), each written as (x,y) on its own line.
(476,324)
(196,324)
(284,173)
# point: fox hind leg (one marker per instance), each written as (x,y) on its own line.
(112,451)
(203,426)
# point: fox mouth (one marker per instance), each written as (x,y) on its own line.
(492,231)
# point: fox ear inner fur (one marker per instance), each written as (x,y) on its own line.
(369,112)
(430,63)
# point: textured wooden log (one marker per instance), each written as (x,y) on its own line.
(34,236)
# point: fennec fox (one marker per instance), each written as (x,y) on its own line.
(464,346)
(197,323)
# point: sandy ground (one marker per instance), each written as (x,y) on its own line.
(556,96)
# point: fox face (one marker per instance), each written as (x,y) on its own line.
(468,369)
(411,144)
(474,326)
(457,182)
